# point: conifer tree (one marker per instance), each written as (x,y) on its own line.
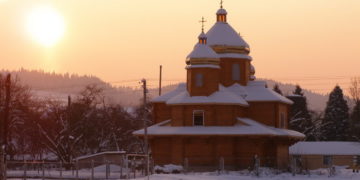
(300,118)
(335,125)
(355,114)
(277,89)
(355,122)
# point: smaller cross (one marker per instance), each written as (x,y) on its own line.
(202,23)
(221,4)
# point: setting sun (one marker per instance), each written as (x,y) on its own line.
(45,25)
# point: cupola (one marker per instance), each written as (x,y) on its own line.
(202,68)
(221,14)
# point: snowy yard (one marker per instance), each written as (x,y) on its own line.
(320,174)
(264,173)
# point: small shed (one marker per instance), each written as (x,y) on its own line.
(323,154)
(110,157)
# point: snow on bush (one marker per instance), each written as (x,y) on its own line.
(169,168)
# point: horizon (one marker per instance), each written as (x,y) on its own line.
(318,49)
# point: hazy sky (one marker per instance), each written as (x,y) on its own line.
(315,43)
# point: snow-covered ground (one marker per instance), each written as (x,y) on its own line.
(99,173)
(321,174)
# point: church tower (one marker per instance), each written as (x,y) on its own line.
(202,69)
(232,50)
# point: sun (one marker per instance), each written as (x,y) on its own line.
(45,25)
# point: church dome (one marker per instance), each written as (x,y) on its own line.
(223,38)
(202,54)
(221,11)
(223,34)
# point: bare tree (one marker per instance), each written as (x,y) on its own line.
(354,89)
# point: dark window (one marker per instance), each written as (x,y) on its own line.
(327,160)
(199,80)
(236,72)
(198,117)
(282,120)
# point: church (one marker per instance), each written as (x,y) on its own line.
(222,111)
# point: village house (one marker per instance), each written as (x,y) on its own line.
(325,154)
(222,111)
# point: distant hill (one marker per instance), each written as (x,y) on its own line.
(59,86)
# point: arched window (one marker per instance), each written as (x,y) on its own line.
(236,72)
(199,80)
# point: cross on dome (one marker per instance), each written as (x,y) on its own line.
(202,23)
(221,13)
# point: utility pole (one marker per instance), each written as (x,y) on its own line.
(7,109)
(2,162)
(160,79)
(4,124)
(146,149)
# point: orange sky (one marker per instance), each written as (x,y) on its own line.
(315,43)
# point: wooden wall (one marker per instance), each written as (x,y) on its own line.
(160,112)
(226,71)
(210,81)
(316,161)
(268,112)
(207,151)
(214,115)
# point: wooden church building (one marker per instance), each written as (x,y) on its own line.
(221,111)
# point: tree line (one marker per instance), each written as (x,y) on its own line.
(338,122)
(86,124)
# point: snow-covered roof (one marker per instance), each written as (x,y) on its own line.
(163,98)
(222,96)
(258,92)
(99,154)
(202,51)
(234,94)
(325,148)
(221,11)
(202,66)
(202,35)
(223,34)
(243,127)
(234,55)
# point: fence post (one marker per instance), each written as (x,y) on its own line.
(121,166)
(43,170)
(77,169)
(133,162)
(221,165)
(92,169)
(127,167)
(186,165)
(256,165)
(61,169)
(2,164)
(25,169)
(5,169)
(293,165)
(107,170)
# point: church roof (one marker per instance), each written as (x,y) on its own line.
(258,92)
(255,91)
(221,11)
(223,96)
(223,34)
(163,98)
(325,148)
(243,127)
(235,55)
(202,51)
